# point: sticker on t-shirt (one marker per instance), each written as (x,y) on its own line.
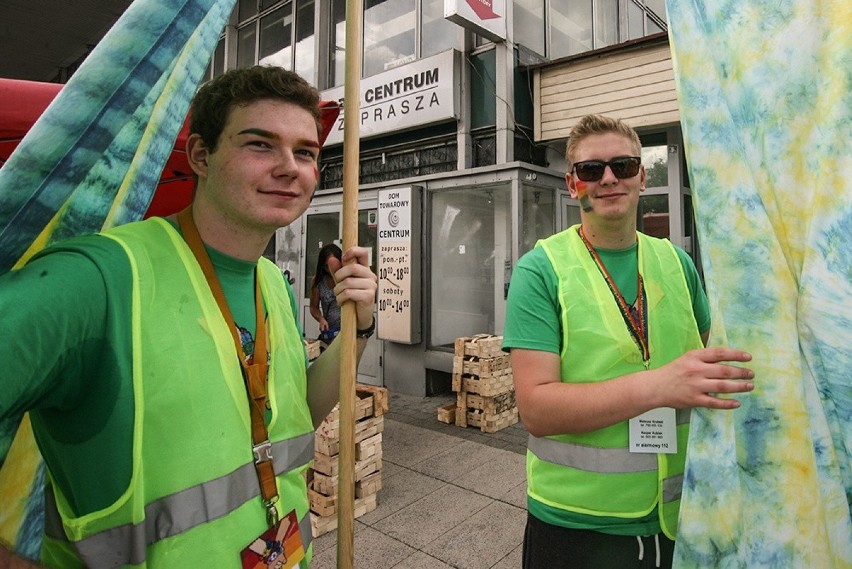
(654,431)
(279,547)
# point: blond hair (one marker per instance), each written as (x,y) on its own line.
(598,124)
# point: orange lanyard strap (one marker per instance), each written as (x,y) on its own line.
(637,326)
(254,374)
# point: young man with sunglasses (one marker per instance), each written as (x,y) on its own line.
(607,327)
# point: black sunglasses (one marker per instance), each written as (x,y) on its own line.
(593,170)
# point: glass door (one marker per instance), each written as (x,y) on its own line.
(323,224)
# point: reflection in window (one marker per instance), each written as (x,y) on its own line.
(529,24)
(388,34)
(322,228)
(654,215)
(656,162)
(337,53)
(570,28)
(539,217)
(275,33)
(471,262)
(437,34)
(246,37)
(305,40)
(606,23)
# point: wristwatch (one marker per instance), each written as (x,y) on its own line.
(368,331)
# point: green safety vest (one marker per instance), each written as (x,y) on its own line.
(193,499)
(594,473)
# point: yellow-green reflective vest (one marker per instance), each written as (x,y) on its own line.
(193,499)
(594,473)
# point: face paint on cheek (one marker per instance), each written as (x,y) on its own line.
(585,202)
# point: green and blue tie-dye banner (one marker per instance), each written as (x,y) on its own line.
(93,161)
(764,89)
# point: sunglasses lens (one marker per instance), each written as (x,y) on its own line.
(624,167)
(593,170)
(590,171)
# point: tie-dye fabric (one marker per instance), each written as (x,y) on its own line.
(93,161)
(764,89)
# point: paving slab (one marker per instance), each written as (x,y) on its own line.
(373,549)
(432,516)
(421,560)
(498,476)
(482,540)
(407,445)
(398,491)
(458,461)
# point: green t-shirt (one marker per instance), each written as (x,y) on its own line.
(67,355)
(533,323)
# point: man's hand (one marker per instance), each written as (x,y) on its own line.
(695,379)
(355,282)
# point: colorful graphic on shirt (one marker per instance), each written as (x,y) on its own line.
(766,110)
(92,161)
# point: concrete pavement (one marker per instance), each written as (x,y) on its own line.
(451,497)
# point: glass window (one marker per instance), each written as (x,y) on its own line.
(247,9)
(570,28)
(538,219)
(276,29)
(529,24)
(322,228)
(471,264)
(655,160)
(217,62)
(635,21)
(337,53)
(305,40)
(606,23)
(368,234)
(438,34)
(246,46)
(389,27)
(654,215)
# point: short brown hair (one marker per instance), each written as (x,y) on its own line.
(214,102)
(598,124)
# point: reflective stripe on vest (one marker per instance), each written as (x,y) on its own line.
(180,512)
(617,460)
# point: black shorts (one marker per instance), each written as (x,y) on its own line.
(553,547)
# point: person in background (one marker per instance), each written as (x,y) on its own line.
(162,362)
(324,307)
(606,328)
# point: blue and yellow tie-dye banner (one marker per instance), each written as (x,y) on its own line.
(766,110)
(93,161)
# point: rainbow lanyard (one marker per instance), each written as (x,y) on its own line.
(637,325)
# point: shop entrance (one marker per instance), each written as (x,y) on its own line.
(323,224)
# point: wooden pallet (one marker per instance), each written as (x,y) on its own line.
(492,423)
(323,524)
(479,345)
(447,413)
(327,441)
(324,505)
(312,348)
(327,484)
(490,414)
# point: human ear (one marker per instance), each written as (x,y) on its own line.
(197,154)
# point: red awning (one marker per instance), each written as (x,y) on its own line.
(23,102)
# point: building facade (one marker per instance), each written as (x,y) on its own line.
(465,107)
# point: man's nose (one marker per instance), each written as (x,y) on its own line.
(608,177)
(287,165)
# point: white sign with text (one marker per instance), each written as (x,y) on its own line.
(418,93)
(399,262)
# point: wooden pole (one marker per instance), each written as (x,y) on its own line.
(348,370)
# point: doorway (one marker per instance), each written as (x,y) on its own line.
(323,224)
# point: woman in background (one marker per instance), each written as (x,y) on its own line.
(324,306)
